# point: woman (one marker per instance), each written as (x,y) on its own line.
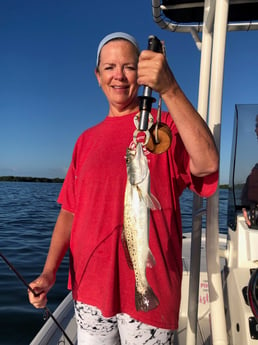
(92,198)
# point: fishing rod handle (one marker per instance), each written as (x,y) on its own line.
(146,100)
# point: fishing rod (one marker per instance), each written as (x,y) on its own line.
(146,99)
(20,277)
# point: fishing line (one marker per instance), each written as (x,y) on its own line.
(36,295)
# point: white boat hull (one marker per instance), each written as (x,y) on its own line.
(50,334)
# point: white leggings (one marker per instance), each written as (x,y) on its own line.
(94,329)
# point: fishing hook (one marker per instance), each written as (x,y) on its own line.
(20,277)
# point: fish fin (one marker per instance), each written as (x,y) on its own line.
(155,203)
(149,199)
(126,251)
(141,196)
(146,301)
(150,260)
(152,202)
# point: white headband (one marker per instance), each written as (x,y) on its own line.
(112,36)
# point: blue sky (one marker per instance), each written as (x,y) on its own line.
(48,90)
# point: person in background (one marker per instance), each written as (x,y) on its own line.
(249,195)
(90,222)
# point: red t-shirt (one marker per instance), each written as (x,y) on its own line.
(94,191)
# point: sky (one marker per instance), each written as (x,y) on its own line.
(48,91)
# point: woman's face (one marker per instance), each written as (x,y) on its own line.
(117,74)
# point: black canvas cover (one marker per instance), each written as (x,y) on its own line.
(191,11)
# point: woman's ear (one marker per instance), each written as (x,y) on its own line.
(98,76)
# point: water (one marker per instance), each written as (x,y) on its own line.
(28,213)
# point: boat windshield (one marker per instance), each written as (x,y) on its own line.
(243,180)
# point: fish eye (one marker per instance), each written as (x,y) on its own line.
(128,159)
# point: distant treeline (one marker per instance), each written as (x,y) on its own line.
(30,179)
(50,180)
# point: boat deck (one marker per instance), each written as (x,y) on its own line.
(50,334)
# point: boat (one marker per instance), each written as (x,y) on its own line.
(219,303)
(52,332)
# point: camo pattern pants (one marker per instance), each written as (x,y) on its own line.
(95,329)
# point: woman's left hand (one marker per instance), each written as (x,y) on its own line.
(154,71)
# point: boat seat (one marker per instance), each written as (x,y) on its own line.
(253,293)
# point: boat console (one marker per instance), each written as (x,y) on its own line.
(232,294)
(241,271)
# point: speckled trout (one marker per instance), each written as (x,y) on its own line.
(137,204)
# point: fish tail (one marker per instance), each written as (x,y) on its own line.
(146,301)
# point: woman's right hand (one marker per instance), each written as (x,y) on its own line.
(41,286)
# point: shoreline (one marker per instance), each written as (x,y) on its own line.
(31,179)
(51,180)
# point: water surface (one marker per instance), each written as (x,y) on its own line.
(28,213)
